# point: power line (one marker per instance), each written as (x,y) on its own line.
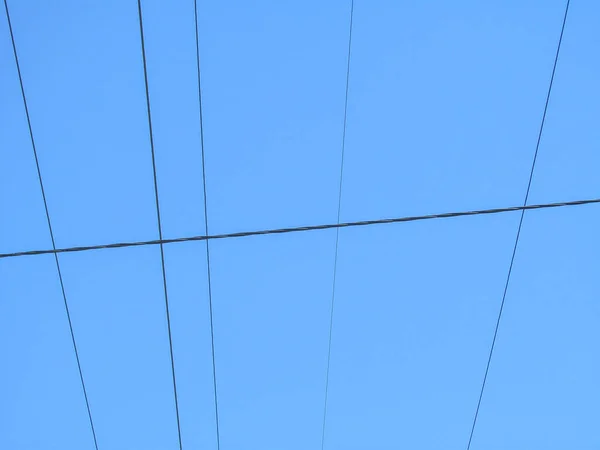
(300,229)
(162,253)
(514,252)
(210,303)
(337,230)
(60,278)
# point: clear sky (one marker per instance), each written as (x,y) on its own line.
(444,108)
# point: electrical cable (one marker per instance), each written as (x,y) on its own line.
(210,302)
(337,230)
(361,223)
(514,252)
(162,253)
(60,278)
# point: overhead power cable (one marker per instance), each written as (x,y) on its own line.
(300,229)
(516,244)
(162,252)
(337,230)
(60,278)
(210,302)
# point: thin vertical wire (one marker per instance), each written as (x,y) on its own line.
(210,303)
(514,252)
(60,278)
(337,231)
(162,253)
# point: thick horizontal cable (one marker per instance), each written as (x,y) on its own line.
(361,223)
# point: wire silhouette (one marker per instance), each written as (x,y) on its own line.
(210,303)
(337,230)
(337,226)
(60,278)
(514,252)
(301,229)
(162,252)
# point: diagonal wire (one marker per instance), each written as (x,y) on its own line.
(210,302)
(514,252)
(302,229)
(162,253)
(60,278)
(337,230)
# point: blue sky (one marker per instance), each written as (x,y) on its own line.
(444,108)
